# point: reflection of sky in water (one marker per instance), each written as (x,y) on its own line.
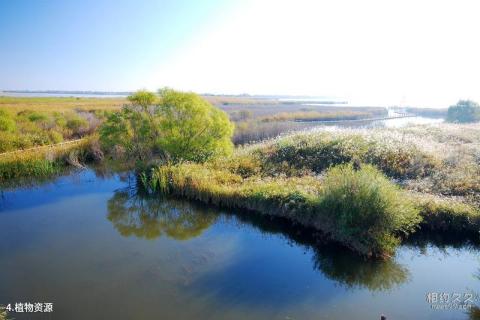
(389,123)
(63,245)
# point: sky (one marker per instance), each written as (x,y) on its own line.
(406,52)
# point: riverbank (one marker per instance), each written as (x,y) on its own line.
(45,161)
(292,177)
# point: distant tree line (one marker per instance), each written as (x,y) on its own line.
(464,111)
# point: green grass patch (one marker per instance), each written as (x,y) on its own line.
(445,215)
(45,161)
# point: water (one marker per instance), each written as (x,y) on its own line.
(372,124)
(97,249)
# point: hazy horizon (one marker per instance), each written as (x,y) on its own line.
(374,52)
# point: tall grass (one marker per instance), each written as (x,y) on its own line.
(255,130)
(364,188)
(321,116)
(370,227)
(44,161)
(367,207)
(317,152)
(445,215)
(29,128)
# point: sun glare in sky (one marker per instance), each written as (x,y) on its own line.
(423,53)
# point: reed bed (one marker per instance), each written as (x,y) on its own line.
(29,128)
(60,104)
(368,220)
(46,160)
(322,116)
(364,188)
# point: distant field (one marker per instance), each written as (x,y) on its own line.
(35,121)
(259,107)
(17,104)
(88,103)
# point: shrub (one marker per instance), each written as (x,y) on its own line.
(7,141)
(367,209)
(35,128)
(55,136)
(75,124)
(36,116)
(464,111)
(7,124)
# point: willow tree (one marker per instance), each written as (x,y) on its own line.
(175,125)
(191,128)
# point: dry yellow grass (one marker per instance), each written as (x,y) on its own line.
(17,104)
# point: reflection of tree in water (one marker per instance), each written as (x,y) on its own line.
(441,241)
(150,217)
(353,271)
(335,262)
(133,214)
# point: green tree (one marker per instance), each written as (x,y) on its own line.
(142,98)
(193,129)
(176,125)
(464,111)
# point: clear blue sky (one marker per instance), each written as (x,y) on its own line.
(93,45)
(423,53)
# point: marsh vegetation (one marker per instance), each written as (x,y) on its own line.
(365,189)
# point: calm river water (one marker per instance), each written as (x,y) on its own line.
(97,249)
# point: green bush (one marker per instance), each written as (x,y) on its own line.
(35,128)
(368,210)
(36,116)
(7,124)
(464,111)
(76,124)
(55,136)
